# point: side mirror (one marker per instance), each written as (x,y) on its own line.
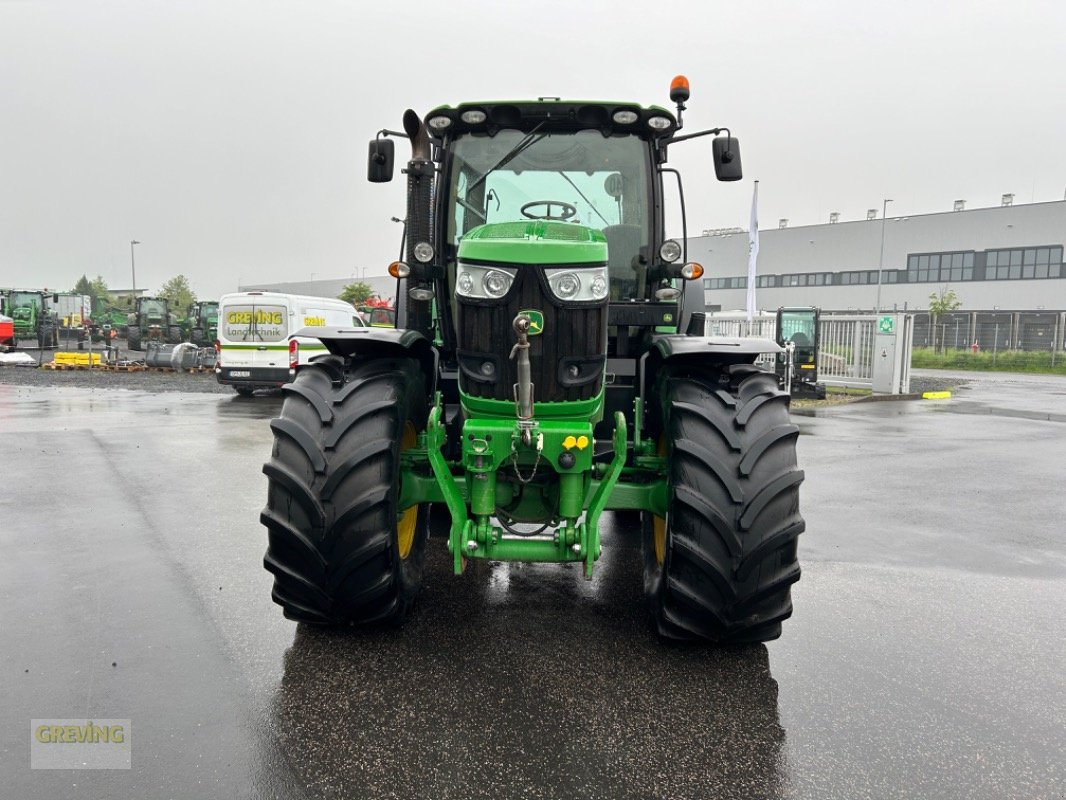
(726,152)
(55,297)
(379,163)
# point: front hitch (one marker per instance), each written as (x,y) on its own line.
(523,390)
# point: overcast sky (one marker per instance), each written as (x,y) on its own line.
(230,137)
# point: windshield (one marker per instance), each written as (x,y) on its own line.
(153,308)
(581,177)
(797,327)
(25,299)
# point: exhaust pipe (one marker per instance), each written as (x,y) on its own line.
(419,227)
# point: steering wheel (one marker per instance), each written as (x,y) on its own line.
(566,211)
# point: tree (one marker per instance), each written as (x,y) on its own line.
(356,293)
(178,292)
(96,289)
(940,303)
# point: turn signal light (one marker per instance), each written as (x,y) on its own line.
(691,271)
(398,269)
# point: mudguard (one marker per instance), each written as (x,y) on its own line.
(736,349)
(366,343)
(712,350)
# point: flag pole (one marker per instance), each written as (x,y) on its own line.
(753,252)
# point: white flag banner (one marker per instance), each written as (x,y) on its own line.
(753,250)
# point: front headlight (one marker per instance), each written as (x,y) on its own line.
(568,283)
(483,283)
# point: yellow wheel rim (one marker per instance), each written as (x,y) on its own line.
(659,537)
(405,528)
(659,523)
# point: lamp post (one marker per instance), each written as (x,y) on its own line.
(133,263)
(881,259)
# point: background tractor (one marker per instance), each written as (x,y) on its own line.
(31,320)
(548,364)
(150,321)
(798,334)
(200,325)
(378,312)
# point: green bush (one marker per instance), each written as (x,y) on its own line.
(1003,361)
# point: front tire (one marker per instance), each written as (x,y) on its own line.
(133,339)
(721,564)
(340,549)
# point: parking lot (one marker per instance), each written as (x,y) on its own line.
(924,658)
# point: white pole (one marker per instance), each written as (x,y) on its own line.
(881,260)
(753,251)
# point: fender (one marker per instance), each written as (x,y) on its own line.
(378,343)
(715,350)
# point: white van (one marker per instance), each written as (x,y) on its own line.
(254,329)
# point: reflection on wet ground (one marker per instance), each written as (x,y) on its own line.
(526,681)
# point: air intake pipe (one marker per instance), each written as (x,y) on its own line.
(420,177)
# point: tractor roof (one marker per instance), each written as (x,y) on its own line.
(551,114)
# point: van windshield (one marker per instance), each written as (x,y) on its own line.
(255,322)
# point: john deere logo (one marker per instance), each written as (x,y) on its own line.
(536,321)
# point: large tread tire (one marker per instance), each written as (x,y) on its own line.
(334,529)
(726,556)
(133,339)
(197,337)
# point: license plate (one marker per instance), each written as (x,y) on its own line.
(240,373)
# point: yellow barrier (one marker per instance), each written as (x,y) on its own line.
(936,395)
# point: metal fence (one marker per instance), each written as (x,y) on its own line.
(1030,331)
(847,349)
(846,352)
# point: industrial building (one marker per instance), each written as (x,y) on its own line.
(1004,258)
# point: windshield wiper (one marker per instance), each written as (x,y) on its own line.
(591,204)
(527,141)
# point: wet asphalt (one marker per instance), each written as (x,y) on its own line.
(924,657)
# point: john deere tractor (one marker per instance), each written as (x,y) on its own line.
(150,321)
(200,325)
(548,364)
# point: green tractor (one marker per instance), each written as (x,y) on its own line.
(548,365)
(200,325)
(32,320)
(150,321)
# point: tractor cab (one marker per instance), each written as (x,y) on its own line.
(797,333)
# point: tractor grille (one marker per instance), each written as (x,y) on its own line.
(567,360)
